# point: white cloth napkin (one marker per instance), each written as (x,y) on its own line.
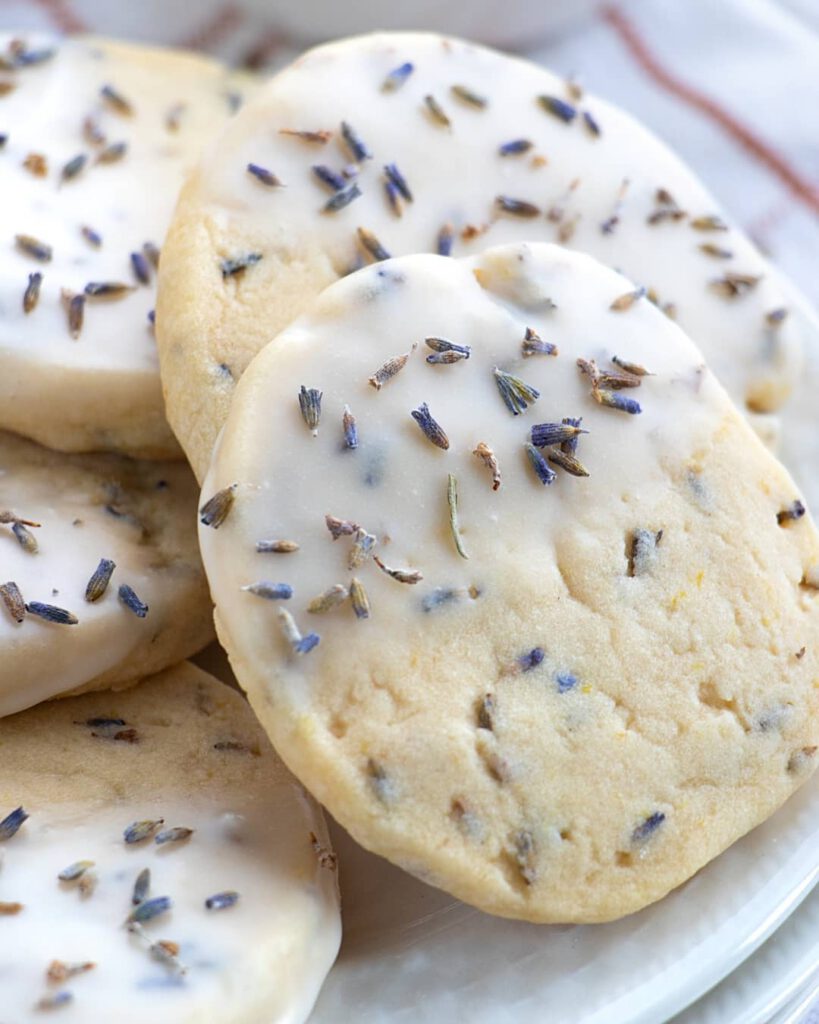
(732,85)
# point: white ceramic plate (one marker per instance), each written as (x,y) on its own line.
(411,953)
(777,979)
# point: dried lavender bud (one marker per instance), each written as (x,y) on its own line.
(173,835)
(341,527)
(263,175)
(486,710)
(398,179)
(711,222)
(152,254)
(328,599)
(534,345)
(371,244)
(300,644)
(776,317)
(531,659)
(397,77)
(51,1002)
(710,249)
(94,238)
(238,264)
(565,681)
(75,870)
(558,108)
(517,395)
(437,112)
(356,146)
(643,551)
(113,153)
(614,400)
(431,428)
(141,267)
(107,289)
(635,369)
(10,825)
(100,579)
(443,347)
(543,471)
(221,900)
(389,369)
(362,547)
(50,613)
(515,147)
(278,547)
(116,101)
(141,886)
(567,461)
(544,434)
(627,300)
(329,177)
(359,599)
(147,910)
(31,296)
(270,591)
(13,601)
(73,167)
(611,222)
(487,457)
(591,124)
(468,96)
(793,512)
(732,285)
(25,538)
(215,510)
(75,307)
(411,576)
(452,503)
(138,831)
(394,199)
(349,429)
(517,207)
(320,137)
(131,601)
(34,247)
(525,856)
(446,237)
(310,405)
(343,197)
(647,828)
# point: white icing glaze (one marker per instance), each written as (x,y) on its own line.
(455,173)
(101,390)
(151,542)
(260,961)
(548,568)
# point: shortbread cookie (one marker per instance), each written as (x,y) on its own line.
(399,143)
(512,586)
(96,138)
(159,862)
(100,577)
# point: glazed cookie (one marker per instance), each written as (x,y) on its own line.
(95,138)
(399,143)
(100,579)
(160,863)
(512,586)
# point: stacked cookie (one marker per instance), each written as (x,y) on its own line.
(512,585)
(143,834)
(509,581)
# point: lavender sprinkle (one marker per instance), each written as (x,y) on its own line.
(264,176)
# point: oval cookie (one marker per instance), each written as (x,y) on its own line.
(100,576)
(159,862)
(513,587)
(96,139)
(399,143)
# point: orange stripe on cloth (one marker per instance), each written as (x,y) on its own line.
(62,16)
(798,186)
